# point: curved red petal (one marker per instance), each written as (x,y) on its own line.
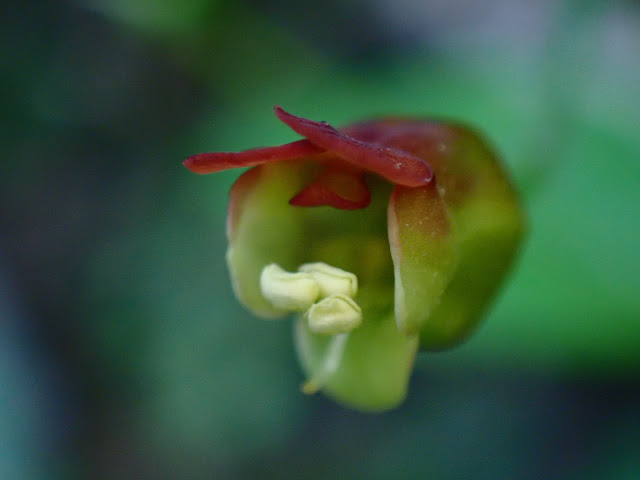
(217,161)
(334,188)
(393,164)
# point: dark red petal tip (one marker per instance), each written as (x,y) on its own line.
(334,188)
(393,164)
(218,161)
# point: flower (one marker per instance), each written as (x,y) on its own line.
(384,238)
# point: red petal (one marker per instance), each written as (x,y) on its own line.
(395,165)
(215,162)
(334,188)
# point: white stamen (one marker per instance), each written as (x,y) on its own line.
(288,291)
(332,280)
(333,315)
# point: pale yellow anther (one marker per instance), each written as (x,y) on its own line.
(334,314)
(288,291)
(332,280)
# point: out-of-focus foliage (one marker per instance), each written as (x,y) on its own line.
(157,17)
(137,362)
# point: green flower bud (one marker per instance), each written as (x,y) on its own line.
(393,236)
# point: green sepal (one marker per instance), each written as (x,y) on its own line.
(262,228)
(488,225)
(424,253)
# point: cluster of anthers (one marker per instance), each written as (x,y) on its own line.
(325,297)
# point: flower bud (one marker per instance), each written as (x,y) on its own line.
(433,195)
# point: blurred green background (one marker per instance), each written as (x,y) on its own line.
(122,351)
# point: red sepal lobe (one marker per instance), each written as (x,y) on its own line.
(345,159)
(218,161)
(395,165)
(335,188)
